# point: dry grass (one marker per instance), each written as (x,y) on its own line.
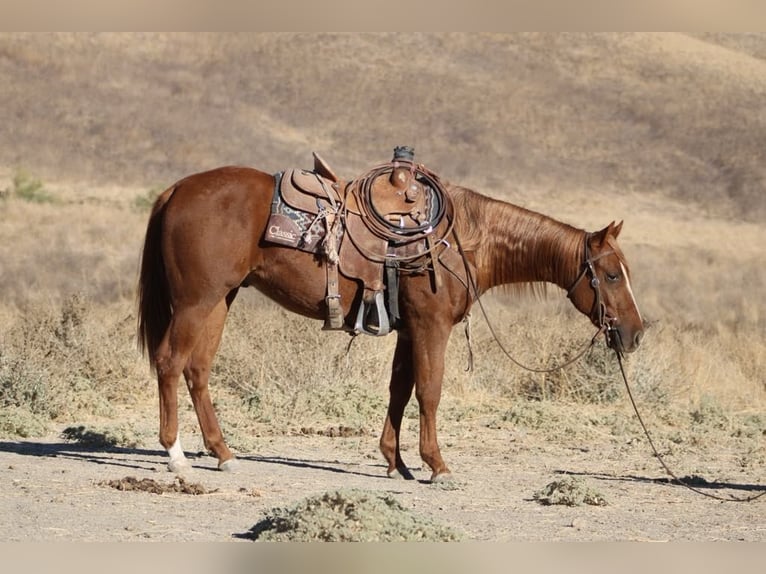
(68,362)
(665,131)
(85,240)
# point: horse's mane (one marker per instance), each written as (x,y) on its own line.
(481,221)
(471,209)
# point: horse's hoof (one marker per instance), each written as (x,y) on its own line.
(441,477)
(179,466)
(400,474)
(230,465)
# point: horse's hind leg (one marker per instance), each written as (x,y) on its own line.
(400,391)
(172,355)
(197,375)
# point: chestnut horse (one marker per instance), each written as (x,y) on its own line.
(204,241)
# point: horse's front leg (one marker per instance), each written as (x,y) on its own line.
(400,391)
(428,348)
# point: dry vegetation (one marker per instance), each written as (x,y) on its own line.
(664,131)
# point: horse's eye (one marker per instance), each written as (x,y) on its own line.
(612,277)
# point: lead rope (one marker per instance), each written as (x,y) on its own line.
(659,457)
(605,330)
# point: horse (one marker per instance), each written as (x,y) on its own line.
(205,241)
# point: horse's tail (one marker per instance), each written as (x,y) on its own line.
(154,309)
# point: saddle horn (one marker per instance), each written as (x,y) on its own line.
(402,177)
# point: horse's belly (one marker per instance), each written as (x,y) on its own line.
(292,278)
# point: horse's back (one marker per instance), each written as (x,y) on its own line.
(239,181)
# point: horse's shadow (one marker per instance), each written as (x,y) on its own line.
(127,457)
(322,465)
(141,458)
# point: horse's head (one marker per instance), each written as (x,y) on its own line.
(602,290)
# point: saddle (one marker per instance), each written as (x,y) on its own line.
(371,229)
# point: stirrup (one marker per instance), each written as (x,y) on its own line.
(365,320)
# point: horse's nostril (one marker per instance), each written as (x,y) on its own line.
(637,338)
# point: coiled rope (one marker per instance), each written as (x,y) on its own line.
(439,203)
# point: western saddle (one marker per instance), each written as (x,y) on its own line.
(371,229)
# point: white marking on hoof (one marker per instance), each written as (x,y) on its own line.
(178,461)
(231,465)
(179,466)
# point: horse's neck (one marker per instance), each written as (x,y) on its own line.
(522,246)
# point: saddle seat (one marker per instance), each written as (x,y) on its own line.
(309,191)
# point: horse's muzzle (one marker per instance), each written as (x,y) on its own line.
(616,339)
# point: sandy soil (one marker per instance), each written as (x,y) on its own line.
(55,490)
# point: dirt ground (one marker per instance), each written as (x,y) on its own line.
(57,490)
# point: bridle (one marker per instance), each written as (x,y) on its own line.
(598,311)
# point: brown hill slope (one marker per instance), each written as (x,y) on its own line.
(672,113)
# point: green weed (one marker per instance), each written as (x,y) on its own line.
(28,188)
(144,202)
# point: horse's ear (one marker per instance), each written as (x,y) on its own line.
(599,237)
(612,229)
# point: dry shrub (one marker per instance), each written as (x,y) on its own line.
(28,188)
(18,421)
(61,363)
(106,437)
(569,491)
(349,516)
(540,334)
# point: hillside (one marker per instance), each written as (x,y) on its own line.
(510,114)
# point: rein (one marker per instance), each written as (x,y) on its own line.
(577,357)
(609,332)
